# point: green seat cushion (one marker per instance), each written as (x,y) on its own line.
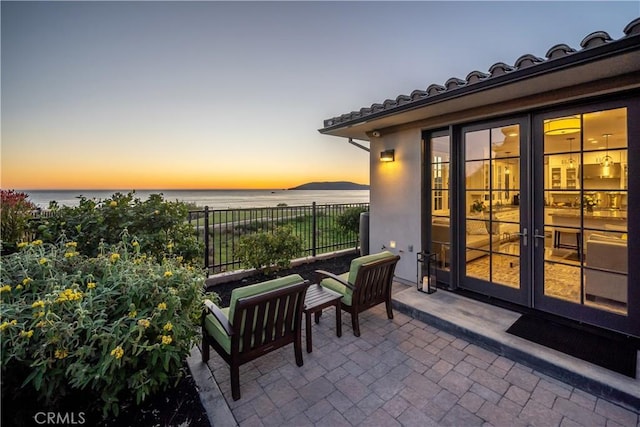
(269,285)
(217,332)
(360,261)
(334,285)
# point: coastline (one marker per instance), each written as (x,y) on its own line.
(214,199)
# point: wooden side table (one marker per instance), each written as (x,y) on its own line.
(317,299)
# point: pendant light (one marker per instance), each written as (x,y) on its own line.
(570,151)
(607,160)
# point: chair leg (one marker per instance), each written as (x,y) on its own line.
(389,310)
(297,348)
(205,350)
(355,323)
(235,381)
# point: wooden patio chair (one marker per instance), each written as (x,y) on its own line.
(260,318)
(366,284)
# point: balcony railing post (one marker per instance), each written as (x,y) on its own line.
(206,238)
(314,229)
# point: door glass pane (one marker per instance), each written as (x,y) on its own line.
(440,201)
(492,211)
(585,221)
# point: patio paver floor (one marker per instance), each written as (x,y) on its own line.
(404,372)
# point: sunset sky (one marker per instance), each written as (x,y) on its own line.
(221,95)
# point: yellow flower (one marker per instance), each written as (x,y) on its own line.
(135,244)
(4,326)
(70,254)
(41,324)
(91,285)
(61,353)
(36,242)
(168,326)
(162,306)
(166,339)
(169,245)
(19,287)
(13,322)
(43,261)
(71,244)
(26,334)
(22,244)
(168,274)
(27,280)
(69,295)
(38,304)
(113,204)
(115,257)
(5,288)
(144,323)
(38,314)
(117,352)
(133,314)
(179,259)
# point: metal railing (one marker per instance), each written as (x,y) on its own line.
(317,226)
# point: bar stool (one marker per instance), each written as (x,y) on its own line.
(559,243)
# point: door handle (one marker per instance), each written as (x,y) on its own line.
(524,236)
(538,236)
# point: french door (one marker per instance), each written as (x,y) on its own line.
(493,235)
(542,213)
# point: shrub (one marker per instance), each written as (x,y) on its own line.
(115,326)
(269,251)
(349,220)
(15,212)
(158,225)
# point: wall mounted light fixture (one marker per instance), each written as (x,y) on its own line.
(387,156)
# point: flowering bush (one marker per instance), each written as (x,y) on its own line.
(115,325)
(15,212)
(156,224)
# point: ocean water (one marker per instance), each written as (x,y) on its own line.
(214,199)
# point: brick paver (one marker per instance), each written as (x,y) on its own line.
(402,372)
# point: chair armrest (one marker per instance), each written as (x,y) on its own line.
(219,315)
(322,273)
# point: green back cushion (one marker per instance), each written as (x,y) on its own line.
(247,291)
(359,262)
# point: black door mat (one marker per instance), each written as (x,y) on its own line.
(616,353)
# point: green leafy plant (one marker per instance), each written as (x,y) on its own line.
(349,220)
(269,251)
(158,225)
(115,326)
(15,212)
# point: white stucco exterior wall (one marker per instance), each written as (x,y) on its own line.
(395,199)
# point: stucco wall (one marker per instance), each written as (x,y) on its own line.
(395,199)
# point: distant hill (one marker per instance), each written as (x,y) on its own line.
(337,185)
